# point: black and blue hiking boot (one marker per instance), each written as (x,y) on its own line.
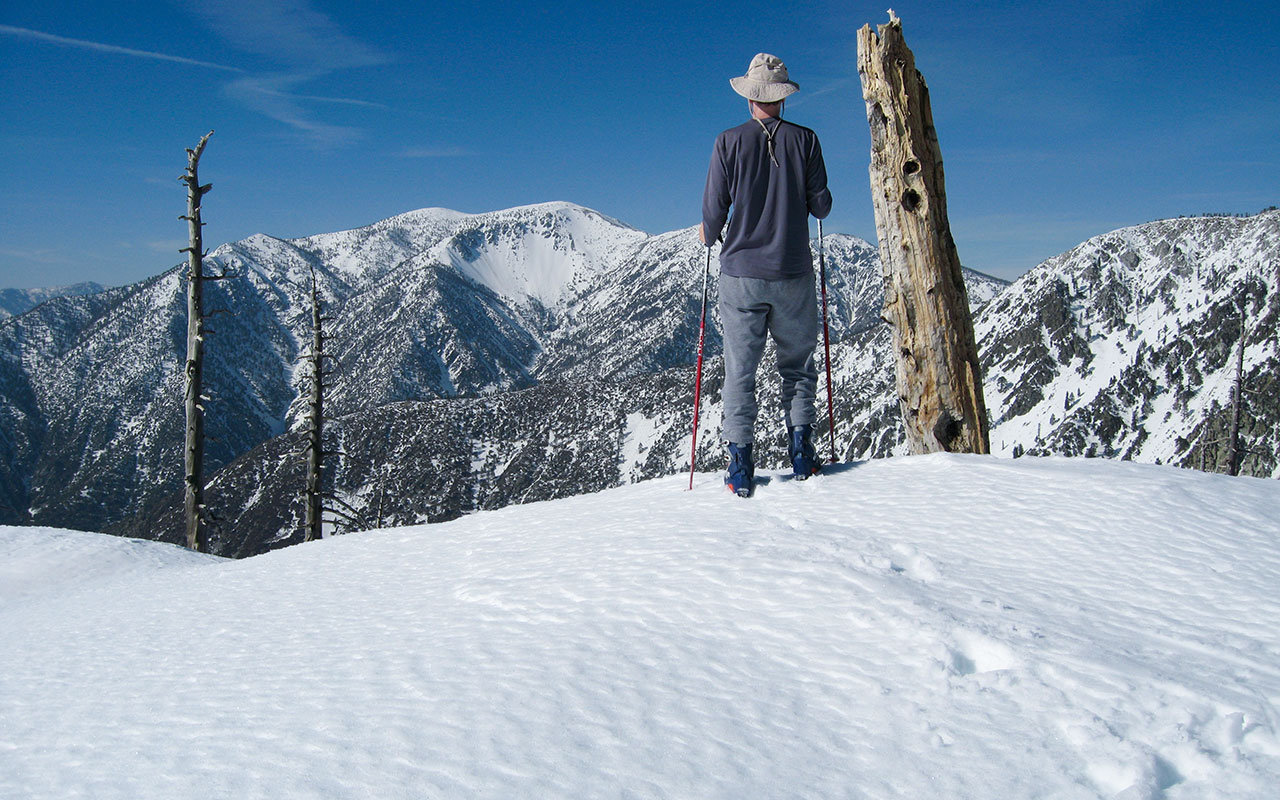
(742,470)
(804,461)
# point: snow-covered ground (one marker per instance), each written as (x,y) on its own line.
(927,627)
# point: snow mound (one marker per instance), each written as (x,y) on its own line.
(40,564)
(938,626)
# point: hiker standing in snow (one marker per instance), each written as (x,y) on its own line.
(772,174)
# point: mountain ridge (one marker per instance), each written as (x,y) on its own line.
(619,332)
(427,304)
(20,301)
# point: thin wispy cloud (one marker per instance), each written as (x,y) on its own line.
(434,152)
(268,95)
(307,44)
(260,86)
(46,256)
(837,85)
(288,31)
(101,47)
(168,245)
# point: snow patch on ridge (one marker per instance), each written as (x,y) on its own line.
(536,252)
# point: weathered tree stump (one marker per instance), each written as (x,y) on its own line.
(939,378)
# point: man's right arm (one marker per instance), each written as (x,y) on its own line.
(817,195)
(715,196)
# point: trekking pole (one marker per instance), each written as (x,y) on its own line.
(697,385)
(826,345)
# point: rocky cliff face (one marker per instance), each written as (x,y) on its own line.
(1124,347)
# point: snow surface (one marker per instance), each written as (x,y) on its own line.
(929,627)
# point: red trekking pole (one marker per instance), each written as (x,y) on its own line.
(697,386)
(826,344)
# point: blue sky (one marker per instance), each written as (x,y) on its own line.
(1057,121)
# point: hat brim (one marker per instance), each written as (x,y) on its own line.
(763,91)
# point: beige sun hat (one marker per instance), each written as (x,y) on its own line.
(766,80)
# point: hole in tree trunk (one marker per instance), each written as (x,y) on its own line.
(879,128)
(946,430)
(911,167)
(911,199)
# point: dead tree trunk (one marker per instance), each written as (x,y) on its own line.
(197,535)
(339,510)
(1234,454)
(314,522)
(926,303)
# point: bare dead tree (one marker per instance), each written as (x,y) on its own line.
(382,495)
(197,535)
(1254,290)
(1234,456)
(315,452)
(1236,449)
(314,521)
(197,515)
(346,514)
(926,302)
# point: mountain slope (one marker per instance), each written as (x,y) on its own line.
(937,626)
(1121,347)
(575,433)
(1124,347)
(429,304)
(1056,378)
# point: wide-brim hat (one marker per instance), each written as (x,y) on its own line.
(766,80)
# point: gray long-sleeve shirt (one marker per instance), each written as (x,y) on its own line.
(768,235)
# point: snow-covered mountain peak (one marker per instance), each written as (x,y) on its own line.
(527,252)
(561,208)
(263,259)
(536,252)
(846,242)
(372,250)
(1145,255)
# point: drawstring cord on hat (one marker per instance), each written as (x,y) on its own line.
(768,135)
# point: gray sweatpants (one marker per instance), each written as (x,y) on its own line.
(786,310)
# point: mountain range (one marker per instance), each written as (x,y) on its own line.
(546,350)
(19,301)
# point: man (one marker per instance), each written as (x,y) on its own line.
(772,174)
